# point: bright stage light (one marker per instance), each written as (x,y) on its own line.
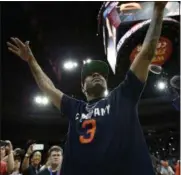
(38,99)
(45,100)
(87,61)
(69,65)
(161,85)
(41,100)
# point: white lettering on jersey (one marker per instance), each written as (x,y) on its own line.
(108,108)
(95,113)
(103,111)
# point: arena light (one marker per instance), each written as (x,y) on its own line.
(75,64)
(69,65)
(44,100)
(87,61)
(41,100)
(38,99)
(161,85)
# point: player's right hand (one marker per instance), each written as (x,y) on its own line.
(20,49)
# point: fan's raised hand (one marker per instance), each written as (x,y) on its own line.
(20,49)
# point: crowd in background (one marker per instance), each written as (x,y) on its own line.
(17,161)
(166,167)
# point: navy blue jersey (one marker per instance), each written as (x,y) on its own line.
(105,136)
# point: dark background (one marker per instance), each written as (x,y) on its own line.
(58,31)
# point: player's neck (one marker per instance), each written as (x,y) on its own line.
(92,98)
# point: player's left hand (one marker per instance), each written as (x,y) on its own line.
(160,4)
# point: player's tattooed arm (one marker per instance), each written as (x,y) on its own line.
(141,63)
(44,83)
(23,51)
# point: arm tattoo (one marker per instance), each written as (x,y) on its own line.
(40,77)
(152,36)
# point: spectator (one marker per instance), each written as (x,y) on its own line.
(166,169)
(55,157)
(177,168)
(17,164)
(3,164)
(6,161)
(47,164)
(155,162)
(158,169)
(31,163)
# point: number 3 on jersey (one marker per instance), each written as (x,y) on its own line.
(90,132)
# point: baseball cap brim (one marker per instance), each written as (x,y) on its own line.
(95,66)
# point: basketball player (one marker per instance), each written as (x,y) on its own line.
(105,136)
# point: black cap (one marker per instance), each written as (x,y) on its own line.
(94,66)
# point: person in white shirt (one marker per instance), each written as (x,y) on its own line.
(167,170)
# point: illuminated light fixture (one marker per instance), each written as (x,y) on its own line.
(69,65)
(45,100)
(38,99)
(87,61)
(41,100)
(161,85)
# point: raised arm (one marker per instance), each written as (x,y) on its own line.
(26,160)
(141,63)
(45,84)
(10,157)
